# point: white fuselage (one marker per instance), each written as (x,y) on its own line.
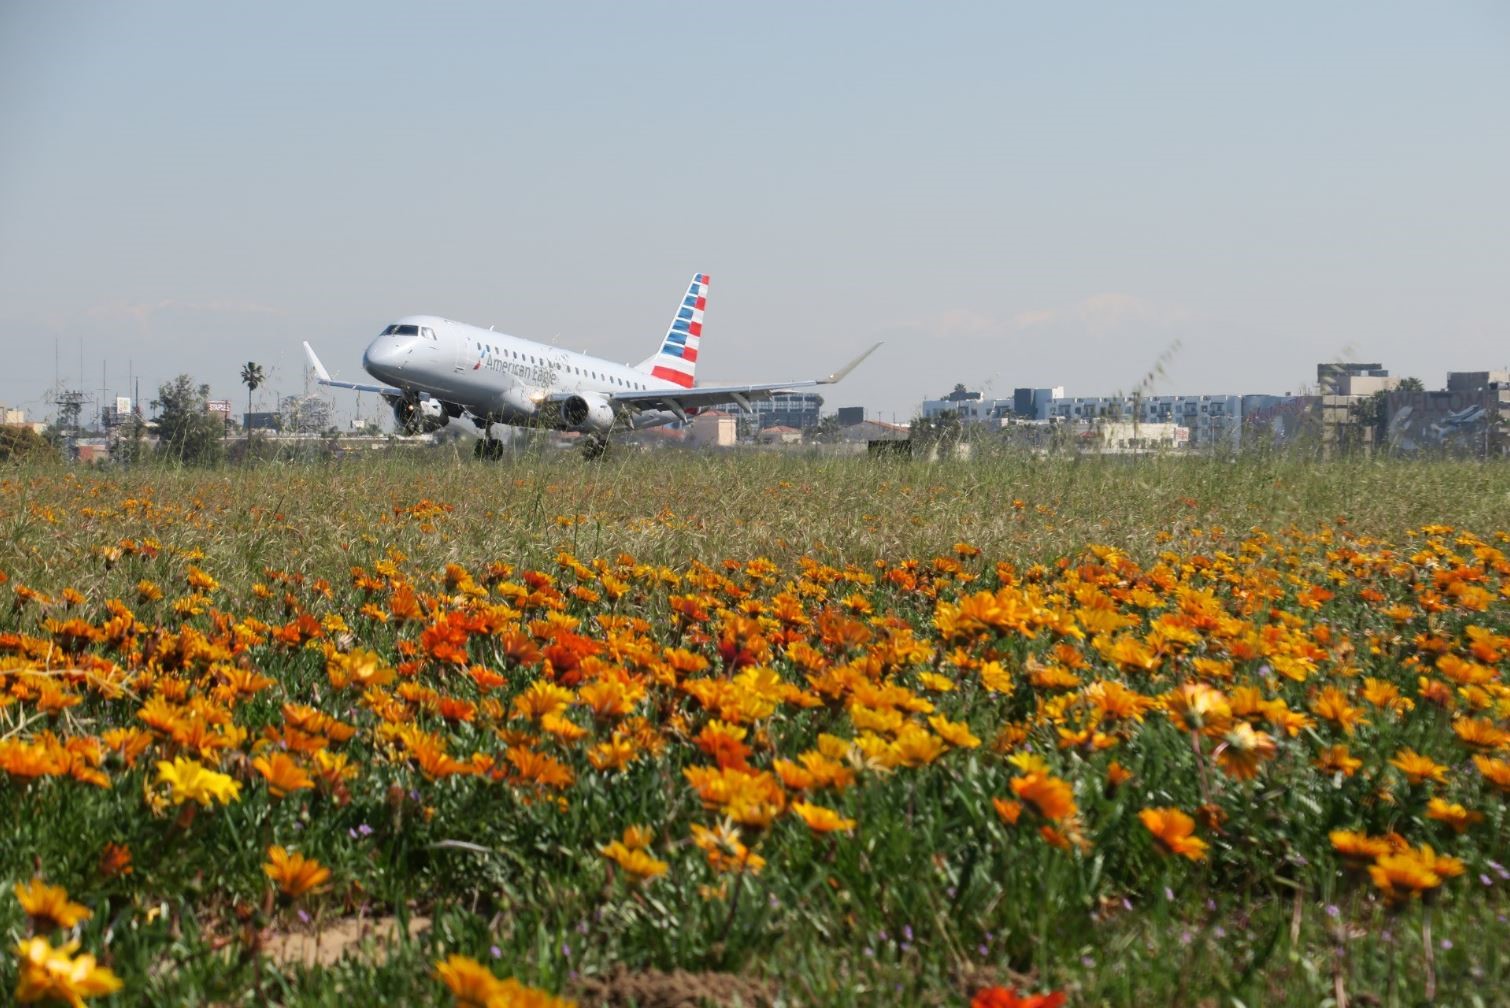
(497,377)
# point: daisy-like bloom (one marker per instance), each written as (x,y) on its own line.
(1453,814)
(1242,750)
(1336,759)
(1331,704)
(360,668)
(474,986)
(1495,771)
(190,780)
(822,820)
(1358,849)
(1411,873)
(724,850)
(56,974)
(1419,769)
(1008,811)
(48,906)
(294,873)
(1481,733)
(284,774)
(639,864)
(1051,796)
(1175,832)
(1198,707)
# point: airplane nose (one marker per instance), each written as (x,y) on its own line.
(384,354)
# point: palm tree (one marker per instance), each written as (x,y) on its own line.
(251,377)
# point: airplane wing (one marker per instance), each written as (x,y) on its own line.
(699,396)
(323,377)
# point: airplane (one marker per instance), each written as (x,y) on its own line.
(439,370)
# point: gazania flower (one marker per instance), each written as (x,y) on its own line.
(1359,848)
(283,773)
(1419,769)
(822,820)
(1051,796)
(474,986)
(640,865)
(1453,814)
(1337,759)
(189,780)
(1174,830)
(1198,707)
(1242,750)
(294,873)
(1495,771)
(48,905)
(56,974)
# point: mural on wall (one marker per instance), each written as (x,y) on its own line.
(1459,423)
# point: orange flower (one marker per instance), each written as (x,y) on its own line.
(1495,771)
(294,873)
(822,820)
(1175,832)
(56,974)
(1051,796)
(1336,759)
(48,905)
(640,865)
(1007,997)
(284,774)
(1419,769)
(1453,814)
(1242,750)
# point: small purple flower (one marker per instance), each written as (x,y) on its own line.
(1168,894)
(365,830)
(1088,962)
(870,953)
(1210,904)
(1333,911)
(1186,937)
(1484,878)
(982,951)
(565,950)
(495,951)
(1446,944)
(1219,931)
(907,932)
(1126,903)
(303,916)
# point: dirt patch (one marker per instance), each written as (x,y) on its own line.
(624,988)
(367,937)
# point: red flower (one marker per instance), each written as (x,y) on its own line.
(1005,997)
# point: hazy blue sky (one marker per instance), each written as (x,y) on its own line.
(1008,194)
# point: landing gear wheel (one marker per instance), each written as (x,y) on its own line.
(593,447)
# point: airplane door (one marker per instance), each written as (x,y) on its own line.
(463,353)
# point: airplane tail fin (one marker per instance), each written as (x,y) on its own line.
(676,360)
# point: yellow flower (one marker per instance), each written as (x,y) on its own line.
(1495,771)
(56,974)
(283,773)
(1453,814)
(1242,750)
(294,873)
(636,862)
(189,780)
(474,986)
(1051,796)
(49,904)
(1175,832)
(822,820)
(1418,768)
(1336,759)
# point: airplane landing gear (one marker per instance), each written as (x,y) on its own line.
(488,448)
(593,447)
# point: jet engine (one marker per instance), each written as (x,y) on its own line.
(420,416)
(587,413)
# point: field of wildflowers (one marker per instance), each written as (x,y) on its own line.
(748,731)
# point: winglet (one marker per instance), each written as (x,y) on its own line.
(839,374)
(320,371)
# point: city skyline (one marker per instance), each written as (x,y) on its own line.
(1008,196)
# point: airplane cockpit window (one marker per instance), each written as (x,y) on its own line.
(405,330)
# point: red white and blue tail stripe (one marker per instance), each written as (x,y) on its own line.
(676,361)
